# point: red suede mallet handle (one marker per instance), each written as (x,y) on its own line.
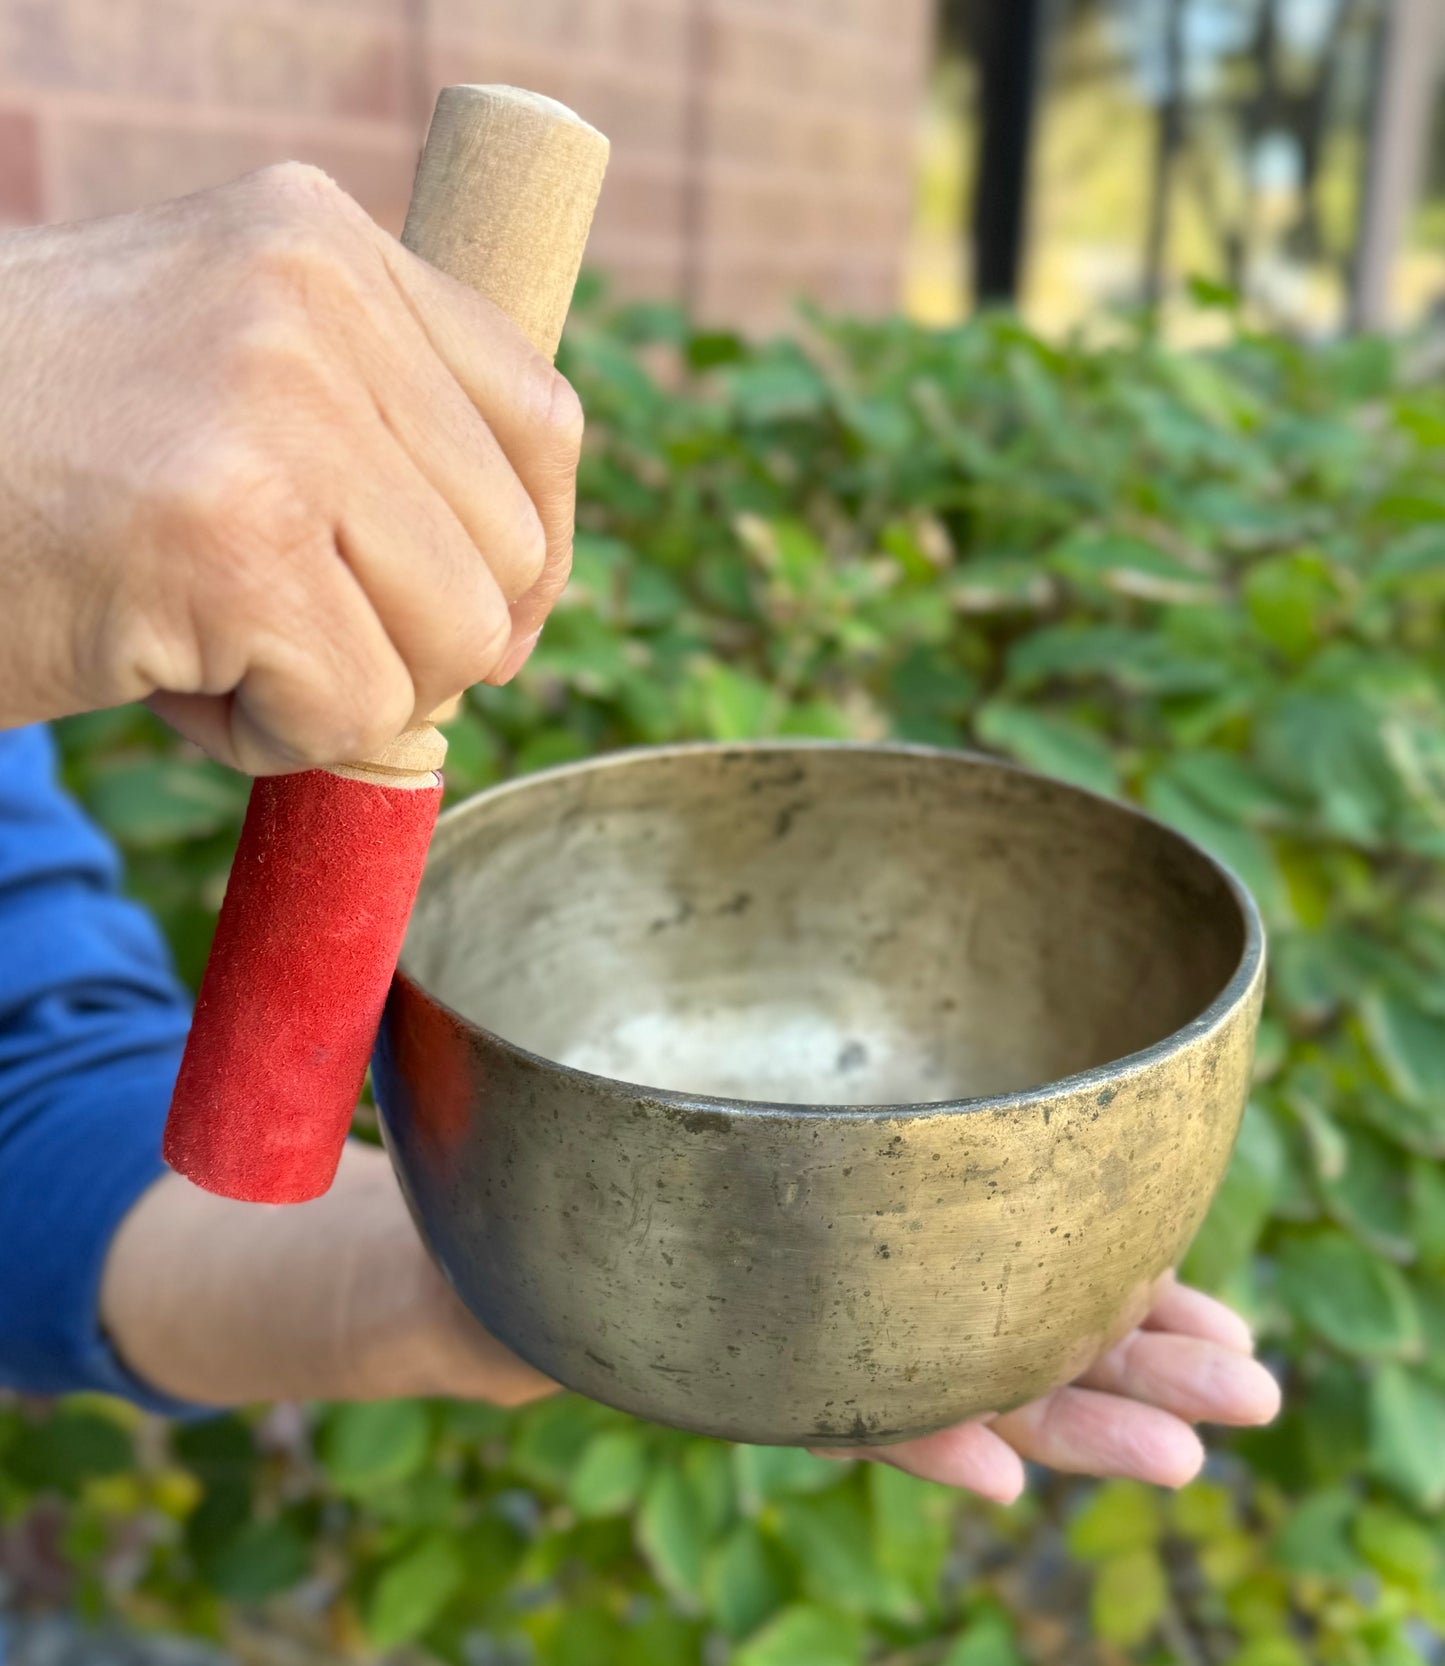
(329,860)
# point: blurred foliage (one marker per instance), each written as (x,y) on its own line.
(1215,584)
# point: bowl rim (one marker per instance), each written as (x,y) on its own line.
(1106,1077)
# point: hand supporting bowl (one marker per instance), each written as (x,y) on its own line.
(814,1093)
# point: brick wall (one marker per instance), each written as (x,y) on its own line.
(761,148)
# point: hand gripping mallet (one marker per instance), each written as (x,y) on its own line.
(330,859)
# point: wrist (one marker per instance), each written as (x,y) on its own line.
(224,1303)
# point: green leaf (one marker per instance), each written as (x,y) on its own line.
(1241,1207)
(1359,367)
(708,348)
(1410,562)
(578,1635)
(1398,1547)
(1289,598)
(1052,745)
(768,1472)
(736,705)
(1407,1434)
(1316,1537)
(1404,1122)
(912,1525)
(659,1638)
(1001,584)
(1329,747)
(1427,1212)
(264,1557)
(831,1537)
(988,1641)
(1279,1650)
(745,1581)
(1130,566)
(1350,1297)
(551,1438)
(1231,788)
(1410,1045)
(670,1534)
(1368,1196)
(1118,1518)
(412,1591)
(610,1473)
(162,801)
(1240,848)
(374,1444)
(805,1636)
(67,1449)
(708,1466)
(782,387)
(1137,661)
(1202,1511)
(1208,292)
(1130,1595)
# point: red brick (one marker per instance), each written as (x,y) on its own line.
(641,201)
(315,65)
(757,54)
(653,34)
(151,48)
(631,110)
(757,296)
(395,12)
(103,167)
(749,129)
(803,113)
(378,175)
(571,28)
(754,210)
(452,59)
(20,199)
(645,278)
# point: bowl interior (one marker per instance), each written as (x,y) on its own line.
(819,925)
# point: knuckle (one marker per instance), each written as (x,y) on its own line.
(239,516)
(485,644)
(301,242)
(217,489)
(565,419)
(271,353)
(554,412)
(299,183)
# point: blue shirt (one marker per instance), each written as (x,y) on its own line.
(92,1022)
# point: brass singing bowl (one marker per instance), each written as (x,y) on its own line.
(810,1093)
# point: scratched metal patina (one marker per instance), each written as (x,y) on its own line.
(811,1093)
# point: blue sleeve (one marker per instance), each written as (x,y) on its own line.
(92,1022)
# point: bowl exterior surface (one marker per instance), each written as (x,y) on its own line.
(806,1275)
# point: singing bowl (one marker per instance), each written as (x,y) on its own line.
(812,1093)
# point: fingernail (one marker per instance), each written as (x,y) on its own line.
(517,657)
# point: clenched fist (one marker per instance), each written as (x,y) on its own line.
(266,470)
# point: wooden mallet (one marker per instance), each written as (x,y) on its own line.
(330,860)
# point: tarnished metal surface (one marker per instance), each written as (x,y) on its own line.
(812,1093)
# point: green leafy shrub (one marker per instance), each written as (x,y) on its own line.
(1215,584)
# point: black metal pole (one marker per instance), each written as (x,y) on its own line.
(1170,141)
(1008,50)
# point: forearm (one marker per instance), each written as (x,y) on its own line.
(223,1303)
